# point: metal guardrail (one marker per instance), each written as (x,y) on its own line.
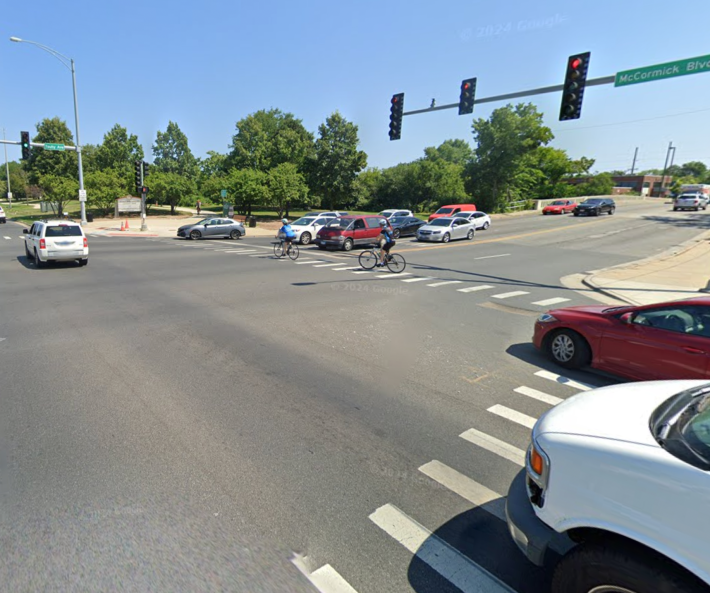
(517,205)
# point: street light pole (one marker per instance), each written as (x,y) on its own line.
(68,63)
(7,172)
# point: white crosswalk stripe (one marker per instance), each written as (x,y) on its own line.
(564,380)
(326,265)
(308,261)
(391,275)
(494,445)
(539,395)
(507,295)
(326,579)
(435,284)
(462,572)
(417,279)
(475,288)
(9,238)
(549,302)
(512,415)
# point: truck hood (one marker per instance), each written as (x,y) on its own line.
(619,412)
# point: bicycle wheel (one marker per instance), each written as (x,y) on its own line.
(396,263)
(279,249)
(293,251)
(368,260)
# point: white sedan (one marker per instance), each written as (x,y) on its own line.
(445,229)
(480,219)
(307,227)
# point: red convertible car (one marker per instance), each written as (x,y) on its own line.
(559,207)
(652,342)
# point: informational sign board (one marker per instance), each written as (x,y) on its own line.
(128,204)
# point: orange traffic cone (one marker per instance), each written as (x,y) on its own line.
(126,224)
(122,227)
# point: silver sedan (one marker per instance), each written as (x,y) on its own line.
(212,227)
(446,229)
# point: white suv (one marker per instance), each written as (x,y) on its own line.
(56,240)
(3,219)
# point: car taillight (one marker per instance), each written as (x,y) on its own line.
(86,243)
(42,244)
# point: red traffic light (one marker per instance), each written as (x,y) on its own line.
(575,63)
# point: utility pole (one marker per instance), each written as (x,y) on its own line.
(665,168)
(7,172)
(633,165)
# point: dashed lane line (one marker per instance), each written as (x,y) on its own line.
(565,381)
(459,570)
(494,445)
(513,415)
(539,395)
(492,256)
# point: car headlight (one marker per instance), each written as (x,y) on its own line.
(436,232)
(546,318)
(537,466)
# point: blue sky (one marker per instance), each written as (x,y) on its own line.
(205,65)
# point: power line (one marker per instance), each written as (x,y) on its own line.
(632,121)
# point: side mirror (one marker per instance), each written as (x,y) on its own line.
(627,318)
(25,231)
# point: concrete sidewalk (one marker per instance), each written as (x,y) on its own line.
(679,273)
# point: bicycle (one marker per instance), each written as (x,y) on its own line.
(291,250)
(394,261)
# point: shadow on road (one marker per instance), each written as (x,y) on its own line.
(682,219)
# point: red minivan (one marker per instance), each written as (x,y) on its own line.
(347,231)
(452,210)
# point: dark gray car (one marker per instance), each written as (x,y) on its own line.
(211,228)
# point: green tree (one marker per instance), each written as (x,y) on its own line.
(172,153)
(456,151)
(598,185)
(103,188)
(247,188)
(60,190)
(337,161)
(170,188)
(438,182)
(400,188)
(542,174)
(581,166)
(287,188)
(49,162)
(503,141)
(696,169)
(266,139)
(19,181)
(366,188)
(118,151)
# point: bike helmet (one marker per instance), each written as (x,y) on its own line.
(284,220)
(383,222)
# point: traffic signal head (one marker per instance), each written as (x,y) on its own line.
(137,168)
(468,95)
(396,112)
(145,170)
(25,141)
(573,91)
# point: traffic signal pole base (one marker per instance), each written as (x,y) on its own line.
(144,226)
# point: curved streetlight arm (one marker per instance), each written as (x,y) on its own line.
(61,57)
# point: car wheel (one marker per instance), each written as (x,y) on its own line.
(470,234)
(486,225)
(195,235)
(28,255)
(348,245)
(675,209)
(568,349)
(321,247)
(611,211)
(84,262)
(575,213)
(38,262)
(544,213)
(607,567)
(446,238)
(396,233)
(235,234)
(305,238)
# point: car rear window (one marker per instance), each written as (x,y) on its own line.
(63,231)
(444,210)
(373,222)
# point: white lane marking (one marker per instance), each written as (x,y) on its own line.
(308,261)
(474,288)
(512,415)
(363,272)
(565,381)
(494,445)
(507,295)
(8,238)
(550,302)
(444,283)
(465,487)
(240,250)
(490,256)
(325,265)
(2,339)
(391,275)
(261,256)
(326,579)
(420,279)
(350,268)
(444,559)
(538,395)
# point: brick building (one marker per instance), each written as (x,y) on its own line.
(645,185)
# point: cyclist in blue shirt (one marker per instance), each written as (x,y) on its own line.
(286,233)
(386,240)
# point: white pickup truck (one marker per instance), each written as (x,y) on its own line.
(617,480)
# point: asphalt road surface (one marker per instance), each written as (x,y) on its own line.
(200,416)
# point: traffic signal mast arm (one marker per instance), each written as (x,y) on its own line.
(539,91)
(34,144)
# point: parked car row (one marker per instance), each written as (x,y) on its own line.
(590,206)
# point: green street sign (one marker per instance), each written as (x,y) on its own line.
(51,146)
(223,193)
(661,71)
